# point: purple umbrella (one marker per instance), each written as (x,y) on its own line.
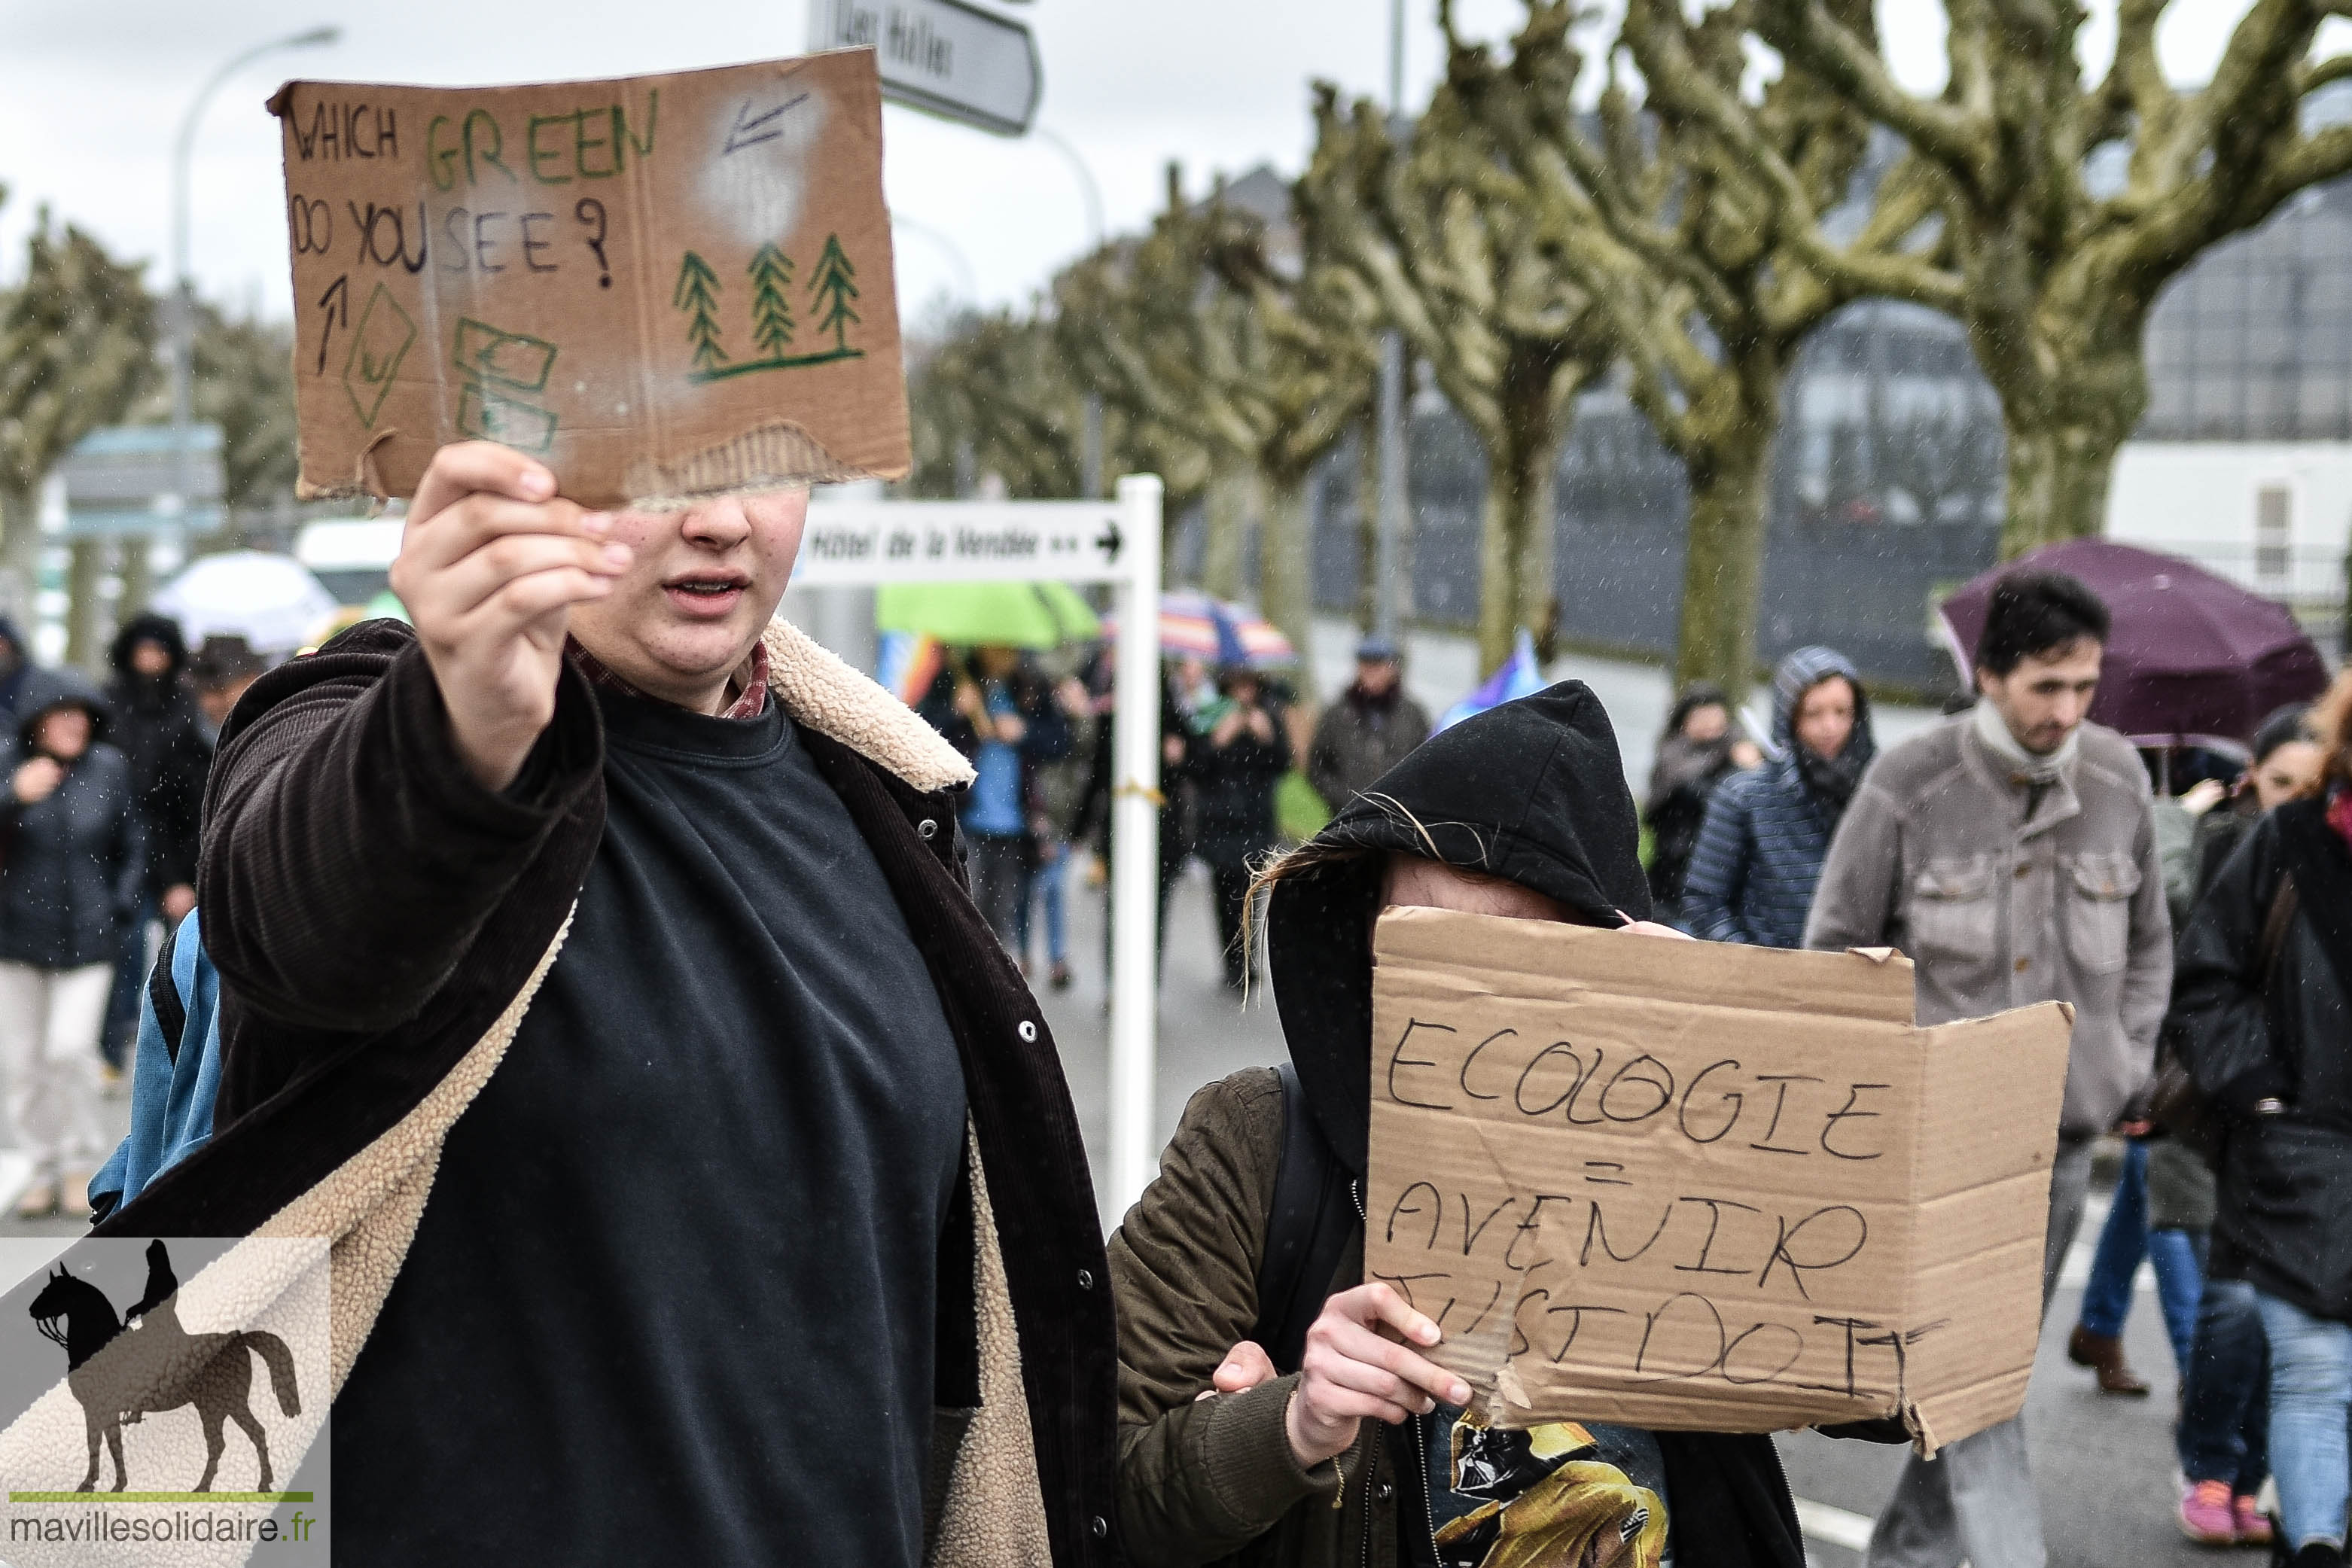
(2194,657)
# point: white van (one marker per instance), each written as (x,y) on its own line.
(351,556)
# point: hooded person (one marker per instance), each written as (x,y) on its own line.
(1768,831)
(68,886)
(15,663)
(1699,748)
(1223,1453)
(160,732)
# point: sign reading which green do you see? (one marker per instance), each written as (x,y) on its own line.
(665,287)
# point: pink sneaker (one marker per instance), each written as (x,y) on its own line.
(2254,1524)
(2207,1516)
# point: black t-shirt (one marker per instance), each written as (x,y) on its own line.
(672,1298)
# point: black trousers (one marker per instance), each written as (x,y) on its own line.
(1232,887)
(1000,876)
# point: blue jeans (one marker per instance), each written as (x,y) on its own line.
(2123,1240)
(2225,1401)
(2179,1261)
(121,1028)
(1050,884)
(2311,1400)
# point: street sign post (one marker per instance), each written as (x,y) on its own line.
(942,56)
(859,543)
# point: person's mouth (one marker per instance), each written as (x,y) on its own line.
(707,595)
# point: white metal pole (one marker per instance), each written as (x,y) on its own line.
(1135,853)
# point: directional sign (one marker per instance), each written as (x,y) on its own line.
(942,56)
(960,541)
(124,481)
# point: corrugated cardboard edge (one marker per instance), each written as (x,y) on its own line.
(779,455)
(772,456)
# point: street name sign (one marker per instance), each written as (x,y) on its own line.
(961,542)
(942,56)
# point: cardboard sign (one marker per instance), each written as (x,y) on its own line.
(665,287)
(1706,1188)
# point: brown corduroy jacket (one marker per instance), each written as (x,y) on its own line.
(381,924)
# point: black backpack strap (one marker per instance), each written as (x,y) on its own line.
(1308,1229)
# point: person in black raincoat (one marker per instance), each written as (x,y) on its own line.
(1226,1454)
(2263,997)
(1239,752)
(160,731)
(72,865)
(1701,746)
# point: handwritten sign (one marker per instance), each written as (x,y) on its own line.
(666,285)
(1706,1188)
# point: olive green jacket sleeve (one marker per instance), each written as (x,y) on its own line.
(1201,1479)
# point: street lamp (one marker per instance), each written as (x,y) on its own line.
(1090,455)
(1389,522)
(183,314)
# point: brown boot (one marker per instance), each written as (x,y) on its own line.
(2104,1354)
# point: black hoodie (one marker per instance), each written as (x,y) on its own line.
(1533,791)
(161,730)
(71,875)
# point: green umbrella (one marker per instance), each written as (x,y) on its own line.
(976,614)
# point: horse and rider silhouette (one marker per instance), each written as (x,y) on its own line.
(122,1369)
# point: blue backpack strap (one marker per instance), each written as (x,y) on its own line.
(175,1073)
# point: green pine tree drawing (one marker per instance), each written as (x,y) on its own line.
(835,285)
(771,305)
(698,293)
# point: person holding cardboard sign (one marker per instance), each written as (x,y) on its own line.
(2010,850)
(666,900)
(1272,1410)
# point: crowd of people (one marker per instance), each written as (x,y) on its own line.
(2016,854)
(655,992)
(99,838)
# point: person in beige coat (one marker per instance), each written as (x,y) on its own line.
(2011,853)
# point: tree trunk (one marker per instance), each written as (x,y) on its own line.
(2073,383)
(1724,569)
(1516,528)
(1227,514)
(138,578)
(20,558)
(84,635)
(1368,525)
(1286,593)
(2058,479)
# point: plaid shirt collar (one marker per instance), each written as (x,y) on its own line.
(750,682)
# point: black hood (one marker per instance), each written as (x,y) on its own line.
(1532,791)
(148,627)
(45,690)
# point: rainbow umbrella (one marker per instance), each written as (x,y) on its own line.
(1192,625)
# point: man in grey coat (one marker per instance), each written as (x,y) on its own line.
(2011,852)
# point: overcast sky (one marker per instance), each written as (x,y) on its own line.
(95,88)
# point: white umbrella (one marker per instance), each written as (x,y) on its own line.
(270,601)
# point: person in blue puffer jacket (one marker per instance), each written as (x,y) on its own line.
(1768,830)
